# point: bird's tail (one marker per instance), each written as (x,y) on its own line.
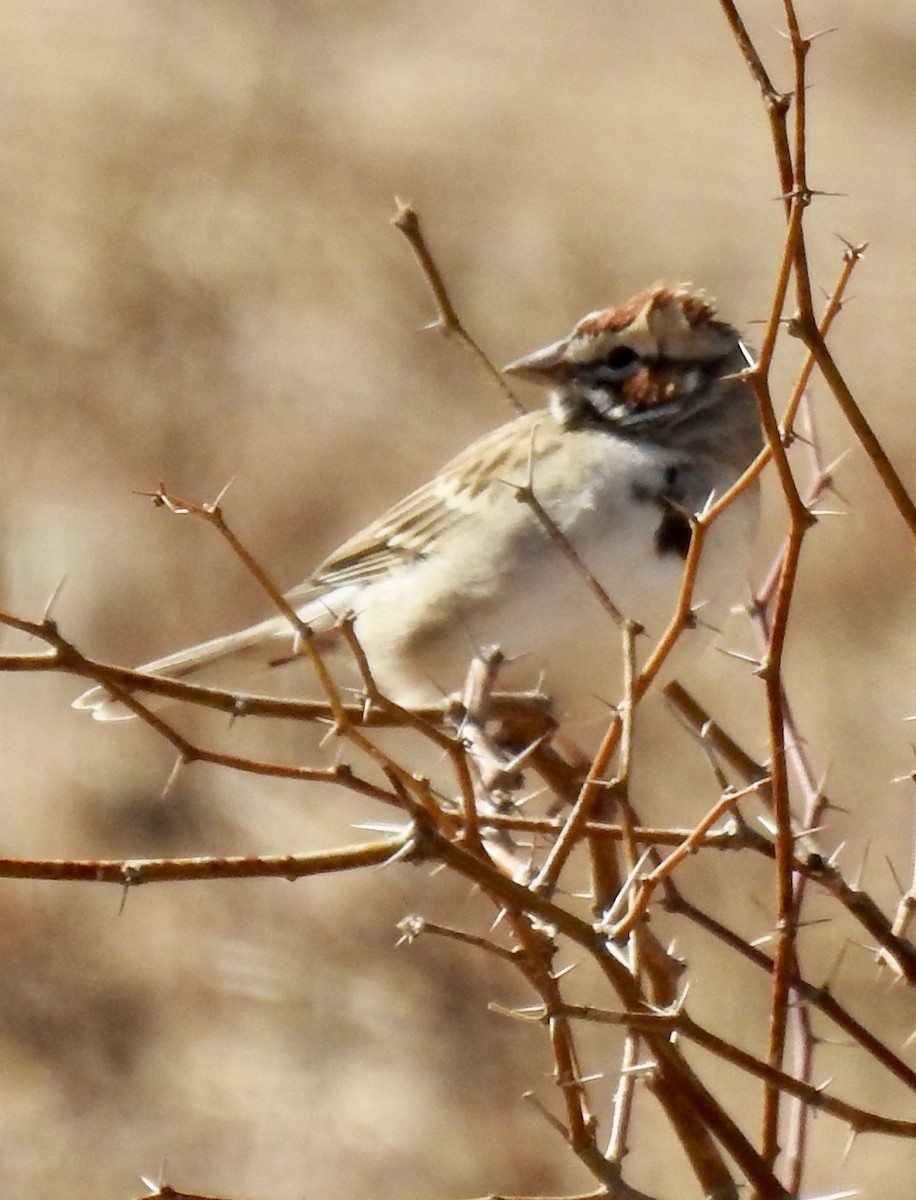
(267,644)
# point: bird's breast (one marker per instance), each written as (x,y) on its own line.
(508,576)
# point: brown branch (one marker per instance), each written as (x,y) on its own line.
(131,872)
(213,515)
(806,329)
(860,1119)
(776,103)
(813,864)
(594,784)
(832,308)
(525,494)
(647,885)
(413,926)
(734,837)
(819,998)
(407,222)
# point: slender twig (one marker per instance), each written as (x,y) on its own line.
(859,1119)
(900,497)
(67,657)
(594,784)
(819,998)
(622,1106)
(734,837)
(525,494)
(776,103)
(135,871)
(833,307)
(413,926)
(647,885)
(447,320)
(813,863)
(213,515)
(792,166)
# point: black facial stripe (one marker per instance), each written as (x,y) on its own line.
(594,396)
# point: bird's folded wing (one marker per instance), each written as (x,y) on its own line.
(410,529)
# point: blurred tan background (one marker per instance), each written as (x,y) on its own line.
(198,282)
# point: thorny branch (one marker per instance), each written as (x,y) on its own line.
(447,320)
(791,157)
(475,827)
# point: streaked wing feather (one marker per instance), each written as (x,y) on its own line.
(407,529)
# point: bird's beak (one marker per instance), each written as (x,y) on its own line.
(545,366)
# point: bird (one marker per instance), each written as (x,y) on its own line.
(649,414)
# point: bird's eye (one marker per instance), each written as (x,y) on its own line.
(621,361)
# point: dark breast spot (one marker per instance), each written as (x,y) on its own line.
(673,533)
(672,536)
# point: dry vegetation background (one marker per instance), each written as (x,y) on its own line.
(198,281)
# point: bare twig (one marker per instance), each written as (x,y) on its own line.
(132,872)
(447,320)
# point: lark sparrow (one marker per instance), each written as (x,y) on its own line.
(646,419)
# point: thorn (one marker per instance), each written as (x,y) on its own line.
(810,831)
(830,470)
(810,922)
(621,953)
(404,851)
(558,975)
(896,878)
(834,971)
(611,915)
(531,1013)
(698,622)
(644,1069)
(173,775)
(748,658)
(159,1183)
(840,1043)
(709,502)
(853,1134)
(410,928)
(679,1001)
(329,736)
(548,1116)
(856,884)
(220,495)
(381,827)
(52,600)
(834,807)
(498,919)
(835,856)
(856,250)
